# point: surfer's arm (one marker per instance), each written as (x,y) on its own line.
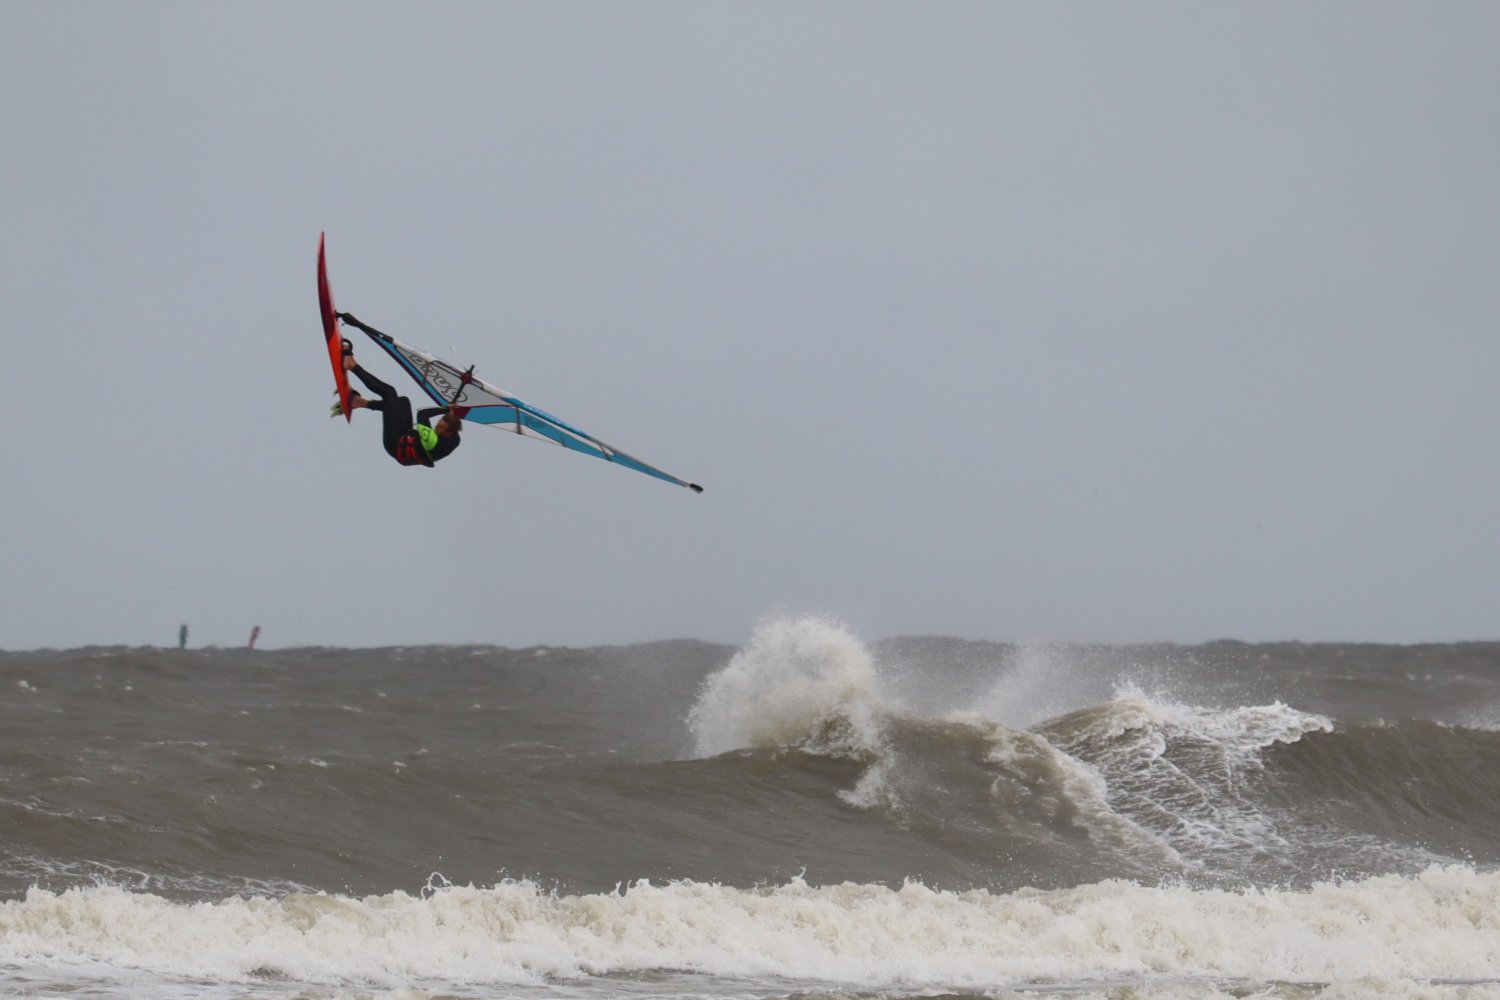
(435,411)
(349,318)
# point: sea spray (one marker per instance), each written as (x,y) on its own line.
(1043,680)
(800,682)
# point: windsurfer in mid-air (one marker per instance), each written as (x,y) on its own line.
(407,440)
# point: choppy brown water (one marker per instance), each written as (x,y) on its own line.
(694,798)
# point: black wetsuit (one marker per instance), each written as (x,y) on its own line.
(398,432)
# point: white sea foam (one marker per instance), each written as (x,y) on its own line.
(802,681)
(1182,770)
(874,789)
(1443,924)
(1072,787)
(1242,730)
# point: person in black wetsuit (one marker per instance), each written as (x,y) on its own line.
(409,441)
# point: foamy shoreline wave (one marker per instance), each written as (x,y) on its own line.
(1443,925)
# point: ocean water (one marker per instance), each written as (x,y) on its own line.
(810,816)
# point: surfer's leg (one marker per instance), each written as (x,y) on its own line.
(394,409)
(379,388)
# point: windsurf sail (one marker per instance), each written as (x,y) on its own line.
(481,403)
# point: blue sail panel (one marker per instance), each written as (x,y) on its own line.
(481,403)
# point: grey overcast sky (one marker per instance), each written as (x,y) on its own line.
(1076,321)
